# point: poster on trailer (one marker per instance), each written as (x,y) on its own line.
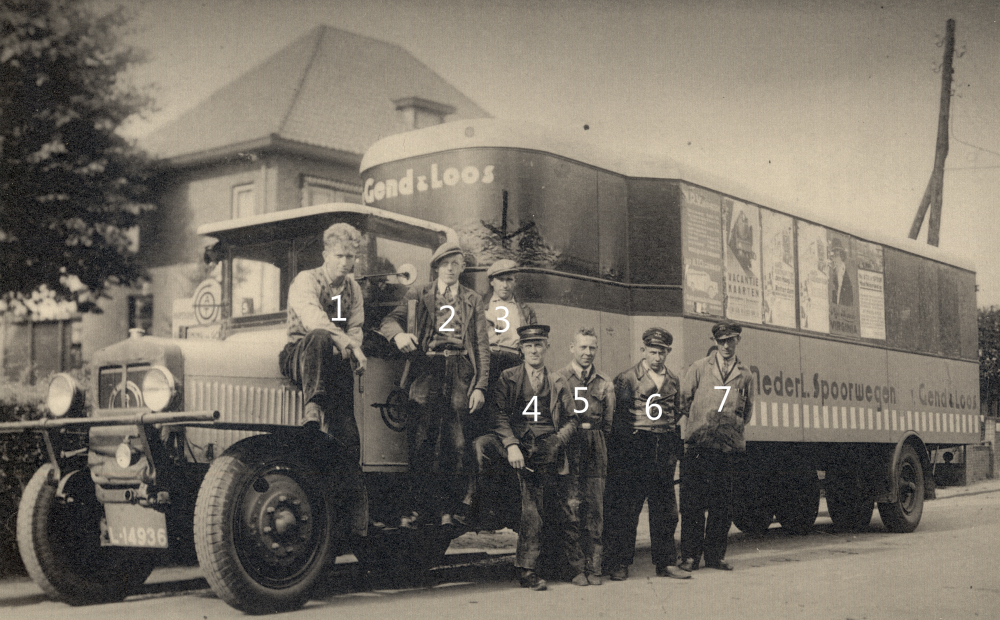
(741,246)
(843,280)
(703,280)
(778,269)
(871,289)
(814,298)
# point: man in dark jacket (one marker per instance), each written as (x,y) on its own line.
(531,430)
(447,380)
(591,397)
(642,457)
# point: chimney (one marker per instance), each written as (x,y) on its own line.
(418,112)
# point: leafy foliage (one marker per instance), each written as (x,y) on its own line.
(70,186)
(989,354)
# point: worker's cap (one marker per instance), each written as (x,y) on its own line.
(657,337)
(501,267)
(529,333)
(449,248)
(724,330)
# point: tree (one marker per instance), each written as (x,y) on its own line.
(70,186)
(989,355)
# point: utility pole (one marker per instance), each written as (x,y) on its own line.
(935,187)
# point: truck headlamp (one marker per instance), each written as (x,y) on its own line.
(64,395)
(158,388)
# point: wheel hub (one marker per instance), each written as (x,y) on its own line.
(279,513)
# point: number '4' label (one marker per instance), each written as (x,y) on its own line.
(533,405)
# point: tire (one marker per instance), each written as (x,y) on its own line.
(797,498)
(753,504)
(903,515)
(263,525)
(60,543)
(850,507)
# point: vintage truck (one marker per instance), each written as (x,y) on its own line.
(195,441)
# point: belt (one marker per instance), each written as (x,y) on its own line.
(588,426)
(446,352)
(665,431)
(499,348)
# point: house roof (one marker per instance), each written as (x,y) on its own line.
(330,89)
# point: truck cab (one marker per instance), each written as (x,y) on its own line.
(195,440)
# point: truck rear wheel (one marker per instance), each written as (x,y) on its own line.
(903,515)
(60,543)
(262,525)
(849,505)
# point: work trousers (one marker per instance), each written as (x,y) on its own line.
(640,467)
(314,364)
(546,501)
(436,436)
(588,465)
(706,486)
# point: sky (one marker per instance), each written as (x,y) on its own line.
(830,106)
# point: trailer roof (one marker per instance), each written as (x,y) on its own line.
(495,133)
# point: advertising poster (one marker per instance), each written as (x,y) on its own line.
(741,247)
(871,289)
(703,283)
(778,269)
(843,278)
(814,299)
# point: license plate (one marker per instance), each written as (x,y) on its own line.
(134,526)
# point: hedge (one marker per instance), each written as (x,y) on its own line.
(21,454)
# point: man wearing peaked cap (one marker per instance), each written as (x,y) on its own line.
(717,395)
(642,455)
(531,430)
(447,381)
(504,315)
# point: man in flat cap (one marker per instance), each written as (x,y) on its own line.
(642,456)
(447,382)
(505,314)
(530,432)
(717,396)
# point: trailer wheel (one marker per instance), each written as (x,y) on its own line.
(797,499)
(60,543)
(753,503)
(903,515)
(850,507)
(263,525)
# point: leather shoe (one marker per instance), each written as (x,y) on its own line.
(619,574)
(580,580)
(720,565)
(672,571)
(530,579)
(688,565)
(594,580)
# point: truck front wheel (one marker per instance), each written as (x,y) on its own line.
(262,525)
(60,543)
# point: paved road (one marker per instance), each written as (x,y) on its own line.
(946,569)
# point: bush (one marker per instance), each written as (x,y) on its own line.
(21,454)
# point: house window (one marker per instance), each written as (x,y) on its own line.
(243,201)
(316,191)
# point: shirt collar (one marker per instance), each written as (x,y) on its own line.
(496,301)
(646,368)
(441,286)
(578,369)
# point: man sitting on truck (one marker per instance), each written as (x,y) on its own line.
(325,314)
